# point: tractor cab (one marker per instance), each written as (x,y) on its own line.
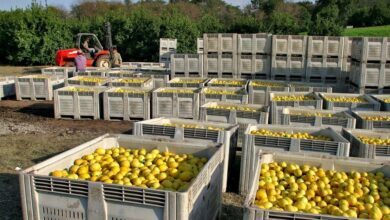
(89,44)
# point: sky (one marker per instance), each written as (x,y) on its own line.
(9,4)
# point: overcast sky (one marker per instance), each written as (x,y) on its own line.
(8,4)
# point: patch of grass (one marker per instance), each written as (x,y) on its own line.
(377,31)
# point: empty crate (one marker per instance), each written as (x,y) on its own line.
(349,102)
(220,43)
(370,74)
(259,90)
(324,70)
(260,43)
(176,102)
(87,81)
(78,102)
(48,197)
(225,94)
(289,45)
(220,65)
(92,73)
(183,129)
(334,144)
(37,87)
(62,72)
(288,68)
(132,82)
(253,66)
(325,46)
(199,45)
(309,87)
(7,86)
(188,82)
(186,65)
(366,49)
(167,48)
(126,103)
(117,73)
(372,120)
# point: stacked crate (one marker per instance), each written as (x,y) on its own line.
(370,68)
(226,94)
(188,82)
(346,59)
(253,51)
(324,60)
(220,55)
(167,48)
(37,87)
(199,45)
(288,57)
(186,65)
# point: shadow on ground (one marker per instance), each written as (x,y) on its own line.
(43,109)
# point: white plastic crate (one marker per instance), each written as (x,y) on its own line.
(186,65)
(309,87)
(326,118)
(372,151)
(370,105)
(126,103)
(241,114)
(370,74)
(249,65)
(258,90)
(223,133)
(188,82)
(175,102)
(364,122)
(132,82)
(7,86)
(227,82)
(92,73)
(224,94)
(288,68)
(37,87)
(254,43)
(385,106)
(325,46)
(346,69)
(219,65)
(252,212)
(167,48)
(160,79)
(219,43)
(277,106)
(324,70)
(63,72)
(289,45)
(87,81)
(118,73)
(47,197)
(78,102)
(366,49)
(347,47)
(199,45)
(143,66)
(338,146)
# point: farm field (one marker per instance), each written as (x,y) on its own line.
(378,31)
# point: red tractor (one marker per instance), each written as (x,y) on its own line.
(97,56)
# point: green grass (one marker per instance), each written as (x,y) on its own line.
(377,31)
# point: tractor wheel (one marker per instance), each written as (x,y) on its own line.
(70,64)
(103,61)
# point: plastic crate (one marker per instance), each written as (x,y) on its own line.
(87,81)
(385,106)
(37,87)
(186,65)
(370,105)
(118,73)
(160,78)
(221,82)
(259,90)
(129,82)
(309,87)
(288,68)
(305,117)
(175,104)
(347,47)
(47,197)
(188,82)
(127,103)
(219,65)
(78,102)
(92,73)
(199,45)
(143,66)
(346,69)
(372,151)
(289,45)
(325,46)
(257,114)
(339,146)
(253,64)
(238,95)
(167,48)
(366,49)
(63,72)
(253,212)
(254,43)
(324,70)
(219,43)
(198,130)
(364,123)
(370,74)
(7,86)
(277,106)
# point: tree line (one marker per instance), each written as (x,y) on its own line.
(32,36)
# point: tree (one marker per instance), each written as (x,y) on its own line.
(326,22)
(282,23)
(210,24)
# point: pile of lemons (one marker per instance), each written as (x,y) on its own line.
(129,90)
(386,100)
(221,91)
(193,126)
(310,189)
(376,118)
(374,140)
(90,79)
(79,89)
(133,80)
(282,98)
(181,91)
(297,135)
(228,82)
(136,167)
(267,84)
(346,99)
(40,76)
(233,107)
(187,81)
(316,114)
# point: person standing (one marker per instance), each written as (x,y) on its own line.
(80,61)
(116,58)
